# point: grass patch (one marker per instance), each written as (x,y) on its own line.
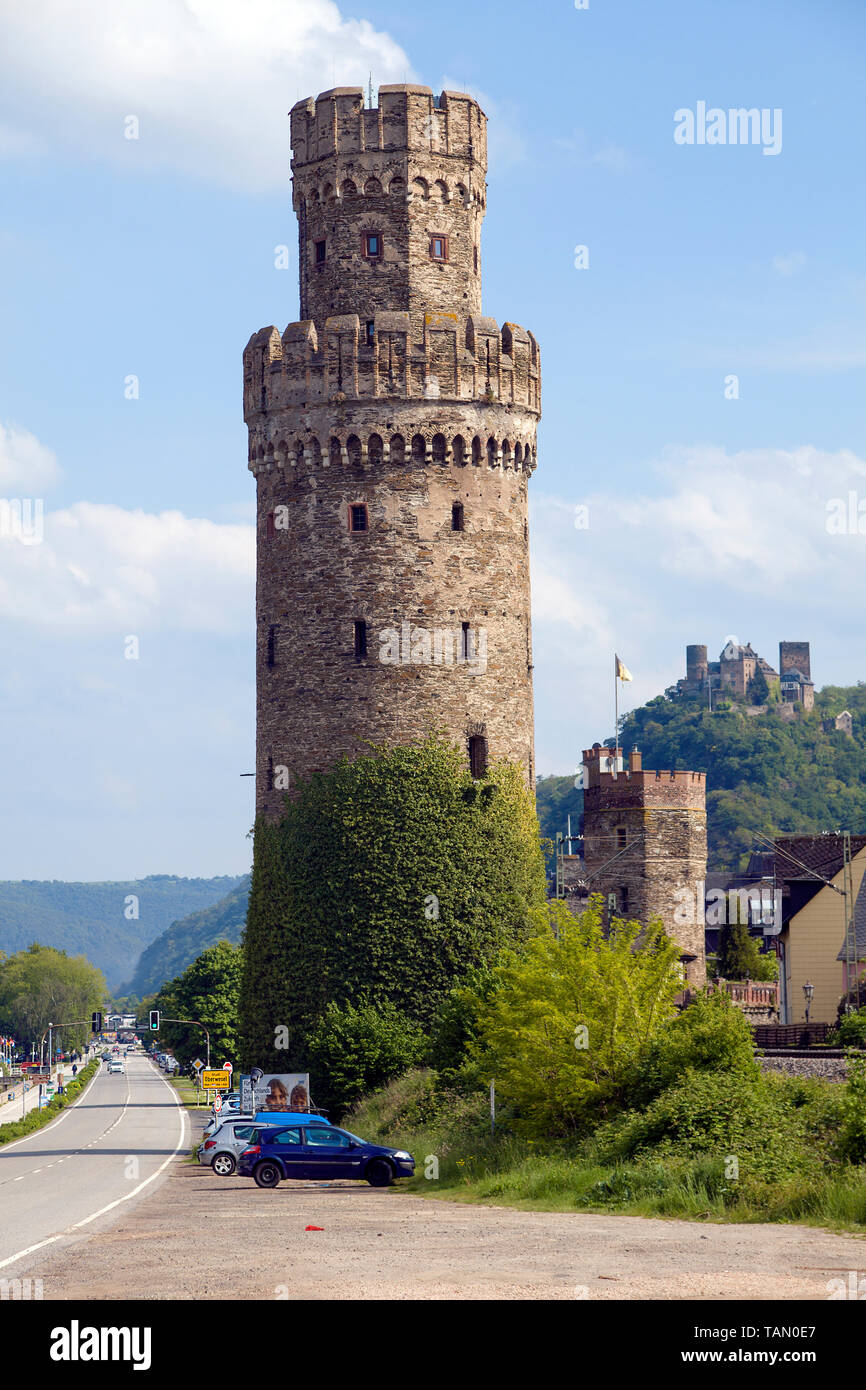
(672,1159)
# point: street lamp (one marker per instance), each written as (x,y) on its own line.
(808,991)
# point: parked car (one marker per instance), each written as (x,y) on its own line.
(223,1147)
(321,1151)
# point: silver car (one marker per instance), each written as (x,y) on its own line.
(221,1149)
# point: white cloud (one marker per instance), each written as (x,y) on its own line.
(609,156)
(210,81)
(714,542)
(100,568)
(791,264)
(27,467)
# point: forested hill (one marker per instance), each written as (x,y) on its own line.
(179,946)
(762,773)
(91,919)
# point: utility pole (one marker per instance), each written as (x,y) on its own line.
(852,978)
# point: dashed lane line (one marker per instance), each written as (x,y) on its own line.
(77,1225)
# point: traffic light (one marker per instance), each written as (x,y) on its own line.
(154,1020)
(96,1023)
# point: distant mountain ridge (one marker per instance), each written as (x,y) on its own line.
(178,947)
(91,919)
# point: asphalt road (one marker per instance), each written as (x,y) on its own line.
(111,1146)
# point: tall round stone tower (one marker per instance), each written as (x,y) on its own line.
(392,432)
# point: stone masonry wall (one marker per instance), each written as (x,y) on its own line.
(395,394)
(645,832)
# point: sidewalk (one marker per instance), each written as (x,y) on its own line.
(15,1106)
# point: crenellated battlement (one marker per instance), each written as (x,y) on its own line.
(463,359)
(409,118)
(608,785)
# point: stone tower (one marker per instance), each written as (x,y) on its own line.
(794,656)
(645,847)
(392,432)
(697,666)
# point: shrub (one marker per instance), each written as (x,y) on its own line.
(454,1028)
(572,1013)
(851,1030)
(710,1035)
(725,1114)
(356,1049)
(851,1143)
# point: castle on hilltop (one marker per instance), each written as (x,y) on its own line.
(392,434)
(740,672)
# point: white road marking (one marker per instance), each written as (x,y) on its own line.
(38,1132)
(111,1205)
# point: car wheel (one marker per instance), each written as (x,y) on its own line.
(379,1173)
(267,1175)
(224,1165)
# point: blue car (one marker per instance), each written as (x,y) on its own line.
(321,1151)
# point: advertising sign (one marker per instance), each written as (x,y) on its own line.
(276,1091)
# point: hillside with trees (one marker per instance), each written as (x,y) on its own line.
(178,947)
(763,774)
(109,923)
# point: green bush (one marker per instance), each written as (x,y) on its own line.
(725,1114)
(850,1030)
(353,1050)
(851,1143)
(572,1012)
(710,1035)
(454,1027)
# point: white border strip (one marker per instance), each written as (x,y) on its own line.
(111,1205)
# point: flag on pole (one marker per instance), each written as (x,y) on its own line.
(622,671)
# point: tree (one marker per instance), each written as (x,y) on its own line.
(43,985)
(354,1050)
(387,878)
(208,992)
(758,688)
(739,957)
(572,1012)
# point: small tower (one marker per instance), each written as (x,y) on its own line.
(697,668)
(645,847)
(794,656)
(392,434)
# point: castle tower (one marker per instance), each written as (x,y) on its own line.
(645,848)
(392,432)
(794,656)
(697,668)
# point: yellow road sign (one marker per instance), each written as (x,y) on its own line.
(216,1080)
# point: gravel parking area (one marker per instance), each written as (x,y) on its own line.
(196,1236)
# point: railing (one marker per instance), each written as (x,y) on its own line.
(753,994)
(790,1034)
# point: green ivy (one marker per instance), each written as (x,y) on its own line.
(387,878)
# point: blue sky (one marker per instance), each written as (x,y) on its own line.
(155,258)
